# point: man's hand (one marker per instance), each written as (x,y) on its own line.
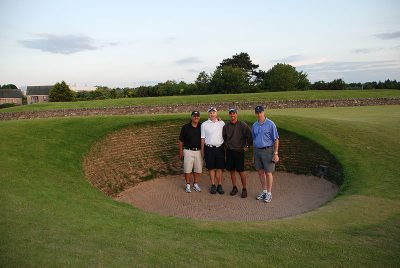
(275,159)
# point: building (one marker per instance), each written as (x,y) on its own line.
(10,95)
(37,94)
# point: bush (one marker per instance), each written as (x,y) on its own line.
(7,105)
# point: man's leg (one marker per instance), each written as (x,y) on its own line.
(187,178)
(243,178)
(212,176)
(233,177)
(219,176)
(268,197)
(263,179)
(269,180)
(219,179)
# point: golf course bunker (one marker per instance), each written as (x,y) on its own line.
(140,165)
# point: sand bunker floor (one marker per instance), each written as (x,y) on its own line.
(292,195)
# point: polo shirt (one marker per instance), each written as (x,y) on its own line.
(237,136)
(264,134)
(211,132)
(190,136)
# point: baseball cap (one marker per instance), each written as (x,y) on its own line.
(259,109)
(232,110)
(212,109)
(195,113)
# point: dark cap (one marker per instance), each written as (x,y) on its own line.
(195,113)
(259,109)
(211,109)
(232,110)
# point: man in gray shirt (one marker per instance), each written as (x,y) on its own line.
(237,137)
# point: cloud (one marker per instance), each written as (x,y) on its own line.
(170,39)
(62,44)
(353,66)
(385,36)
(188,60)
(366,50)
(193,71)
(291,58)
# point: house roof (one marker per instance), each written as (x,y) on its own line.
(38,90)
(10,93)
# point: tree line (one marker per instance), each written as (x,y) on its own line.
(237,74)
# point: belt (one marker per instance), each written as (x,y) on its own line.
(192,149)
(263,148)
(212,146)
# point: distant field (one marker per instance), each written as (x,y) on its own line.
(51,216)
(195,99)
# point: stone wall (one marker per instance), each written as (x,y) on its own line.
(186,108)
(131,155)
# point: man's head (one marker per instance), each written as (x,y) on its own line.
(195,116)
(233,115)
(259,110)
(212,113)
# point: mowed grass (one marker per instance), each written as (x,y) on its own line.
(216,98)
(51,216)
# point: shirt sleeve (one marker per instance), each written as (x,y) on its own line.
(203,133)
(224,133)
(275,134)
(182,134)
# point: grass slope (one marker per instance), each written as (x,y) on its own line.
(194,99)
(51,216)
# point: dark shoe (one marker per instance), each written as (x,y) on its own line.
(219,189)
(234,190)
(244,193)
(213,189)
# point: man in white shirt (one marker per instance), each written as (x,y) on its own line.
(212,149)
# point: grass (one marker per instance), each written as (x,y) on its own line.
(51,216)
(195,99)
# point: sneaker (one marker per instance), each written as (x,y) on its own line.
(219,189)
(196,187)
(213,189)
(268,198)
(261,196)
(244,193)
(234,190)
(187,188)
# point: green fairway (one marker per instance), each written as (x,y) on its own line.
(52,216)
(217,98)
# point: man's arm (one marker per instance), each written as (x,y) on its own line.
(202,148)
(276,147)
(180,150)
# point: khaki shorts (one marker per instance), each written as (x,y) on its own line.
(192,161)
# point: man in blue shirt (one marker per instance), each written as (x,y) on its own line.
(266,144)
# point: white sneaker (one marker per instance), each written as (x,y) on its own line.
(268,198)
(187,188)
(196,187)
(261,196)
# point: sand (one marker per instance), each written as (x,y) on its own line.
(291,195)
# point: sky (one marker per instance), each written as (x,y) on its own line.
(131,43)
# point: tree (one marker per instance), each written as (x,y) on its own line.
(284,77)
(203,83)
(9,86)
(229,79)
(337,84)
(61,92)
(319,85)
(242,61)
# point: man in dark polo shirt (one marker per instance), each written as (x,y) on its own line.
(190,151)
(237,137)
